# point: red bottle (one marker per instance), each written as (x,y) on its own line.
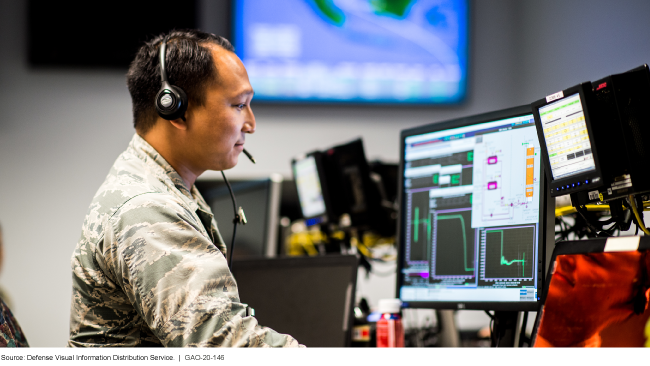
(390,332)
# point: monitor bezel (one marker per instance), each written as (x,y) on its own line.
(541,233)
(328,215)
(560,187)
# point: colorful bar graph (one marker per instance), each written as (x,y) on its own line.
(530,170)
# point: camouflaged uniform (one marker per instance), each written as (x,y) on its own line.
(146,272)
(11,335)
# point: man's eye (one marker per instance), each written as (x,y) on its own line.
(240,106)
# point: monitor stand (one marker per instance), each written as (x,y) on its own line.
(448,335)
(505,329)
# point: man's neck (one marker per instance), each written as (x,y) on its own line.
(164,147)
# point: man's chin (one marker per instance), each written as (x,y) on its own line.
(225,166)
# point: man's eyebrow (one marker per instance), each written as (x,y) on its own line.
(245,92)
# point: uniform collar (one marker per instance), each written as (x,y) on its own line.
(162,169)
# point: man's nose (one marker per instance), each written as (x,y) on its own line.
(249,123)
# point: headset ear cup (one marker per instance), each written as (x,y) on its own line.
(171,102)
(182,108)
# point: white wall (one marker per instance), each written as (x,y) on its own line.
(60,130)
(563,43)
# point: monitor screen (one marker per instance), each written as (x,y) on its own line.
(310,193)
(310,298)
(258,237)
(567,138)
(470,221)
(354,51)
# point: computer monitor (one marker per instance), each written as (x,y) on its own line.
(593,138)
(310,298)
(260,199)
(565,126)
(339,181)
(308,173)
(471,223)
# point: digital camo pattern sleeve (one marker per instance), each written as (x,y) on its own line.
(177,280)
(11,335)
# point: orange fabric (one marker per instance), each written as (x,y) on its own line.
(591,301)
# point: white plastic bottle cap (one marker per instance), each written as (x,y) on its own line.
(389,306)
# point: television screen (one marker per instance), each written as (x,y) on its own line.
(358,51)
(96,34)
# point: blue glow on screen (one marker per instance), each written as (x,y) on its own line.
(399,51)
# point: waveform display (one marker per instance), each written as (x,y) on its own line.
(509,252)
(420,227)
(454,244)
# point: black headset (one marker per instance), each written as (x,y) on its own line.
(171,101)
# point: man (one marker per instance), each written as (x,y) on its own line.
(150,268)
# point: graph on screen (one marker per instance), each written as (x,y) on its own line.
(507,253)
(420,238)
(453,245)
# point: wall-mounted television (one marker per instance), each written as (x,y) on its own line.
(354,51)
(98,34)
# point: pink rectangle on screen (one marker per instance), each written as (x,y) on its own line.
(492,185)
(492,160)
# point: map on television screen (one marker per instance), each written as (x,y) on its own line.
(412,51)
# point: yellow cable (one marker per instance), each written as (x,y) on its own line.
(638,218)
(364,250)
(561,211)
(566,210)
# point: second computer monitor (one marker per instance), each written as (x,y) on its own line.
(260,200)
(471,221)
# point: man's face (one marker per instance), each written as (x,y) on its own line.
(216,131)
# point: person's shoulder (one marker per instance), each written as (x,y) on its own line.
(128,178)
(152,207)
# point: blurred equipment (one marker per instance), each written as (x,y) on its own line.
(406,52)
(472,217)
(337,187)
(593,137)
(363,331)
(311,298)
(313,193)
(594,147)
(261,201)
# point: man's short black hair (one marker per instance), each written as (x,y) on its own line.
(189,65)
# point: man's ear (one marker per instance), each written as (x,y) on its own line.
(179,123)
